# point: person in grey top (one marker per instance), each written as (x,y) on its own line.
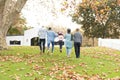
(77,42)
(42,33)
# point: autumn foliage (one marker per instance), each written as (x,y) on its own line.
(100,18)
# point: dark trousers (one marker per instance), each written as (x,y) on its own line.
(77,49)
(42,45)
(60,45)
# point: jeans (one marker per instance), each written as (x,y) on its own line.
(68,51)
(48,45)
(42,45)
(77,49)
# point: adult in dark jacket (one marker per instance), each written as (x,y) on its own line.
(77,42)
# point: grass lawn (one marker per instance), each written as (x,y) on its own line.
(25,63)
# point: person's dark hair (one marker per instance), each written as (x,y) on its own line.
(42,26)
(49,28)
(77,29)
(68,30)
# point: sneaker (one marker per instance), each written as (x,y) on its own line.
(61,51)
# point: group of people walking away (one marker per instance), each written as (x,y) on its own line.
(70,41)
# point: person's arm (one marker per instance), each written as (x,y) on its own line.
(55,34)
(73,36)
(65,36)
(81,38)
(39,33)
(62,36)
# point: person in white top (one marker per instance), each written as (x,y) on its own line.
(60,37)
(42,33)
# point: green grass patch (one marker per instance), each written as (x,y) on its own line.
(25,63)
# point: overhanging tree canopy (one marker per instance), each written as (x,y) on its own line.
(9,9)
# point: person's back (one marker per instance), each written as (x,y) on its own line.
(60,36)
(77,37)
(68,42)
(77,42)
(42,33)
(68,37)
(50,39)
(51,35)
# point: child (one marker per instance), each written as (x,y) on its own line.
(60,37)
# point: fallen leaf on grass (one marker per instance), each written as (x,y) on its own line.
(20,69)
(117,70)
(117,78)
(67,74)
(29,74)
(83,64)
(39,72)
(95,77)
(16,77)
(29,62)
(95,56)
(36,67)
(101,63)
(104,74)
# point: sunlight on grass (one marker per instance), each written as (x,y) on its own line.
(25,63)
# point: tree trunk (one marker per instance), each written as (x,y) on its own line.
(3,44)
(93,41)
(9,9)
